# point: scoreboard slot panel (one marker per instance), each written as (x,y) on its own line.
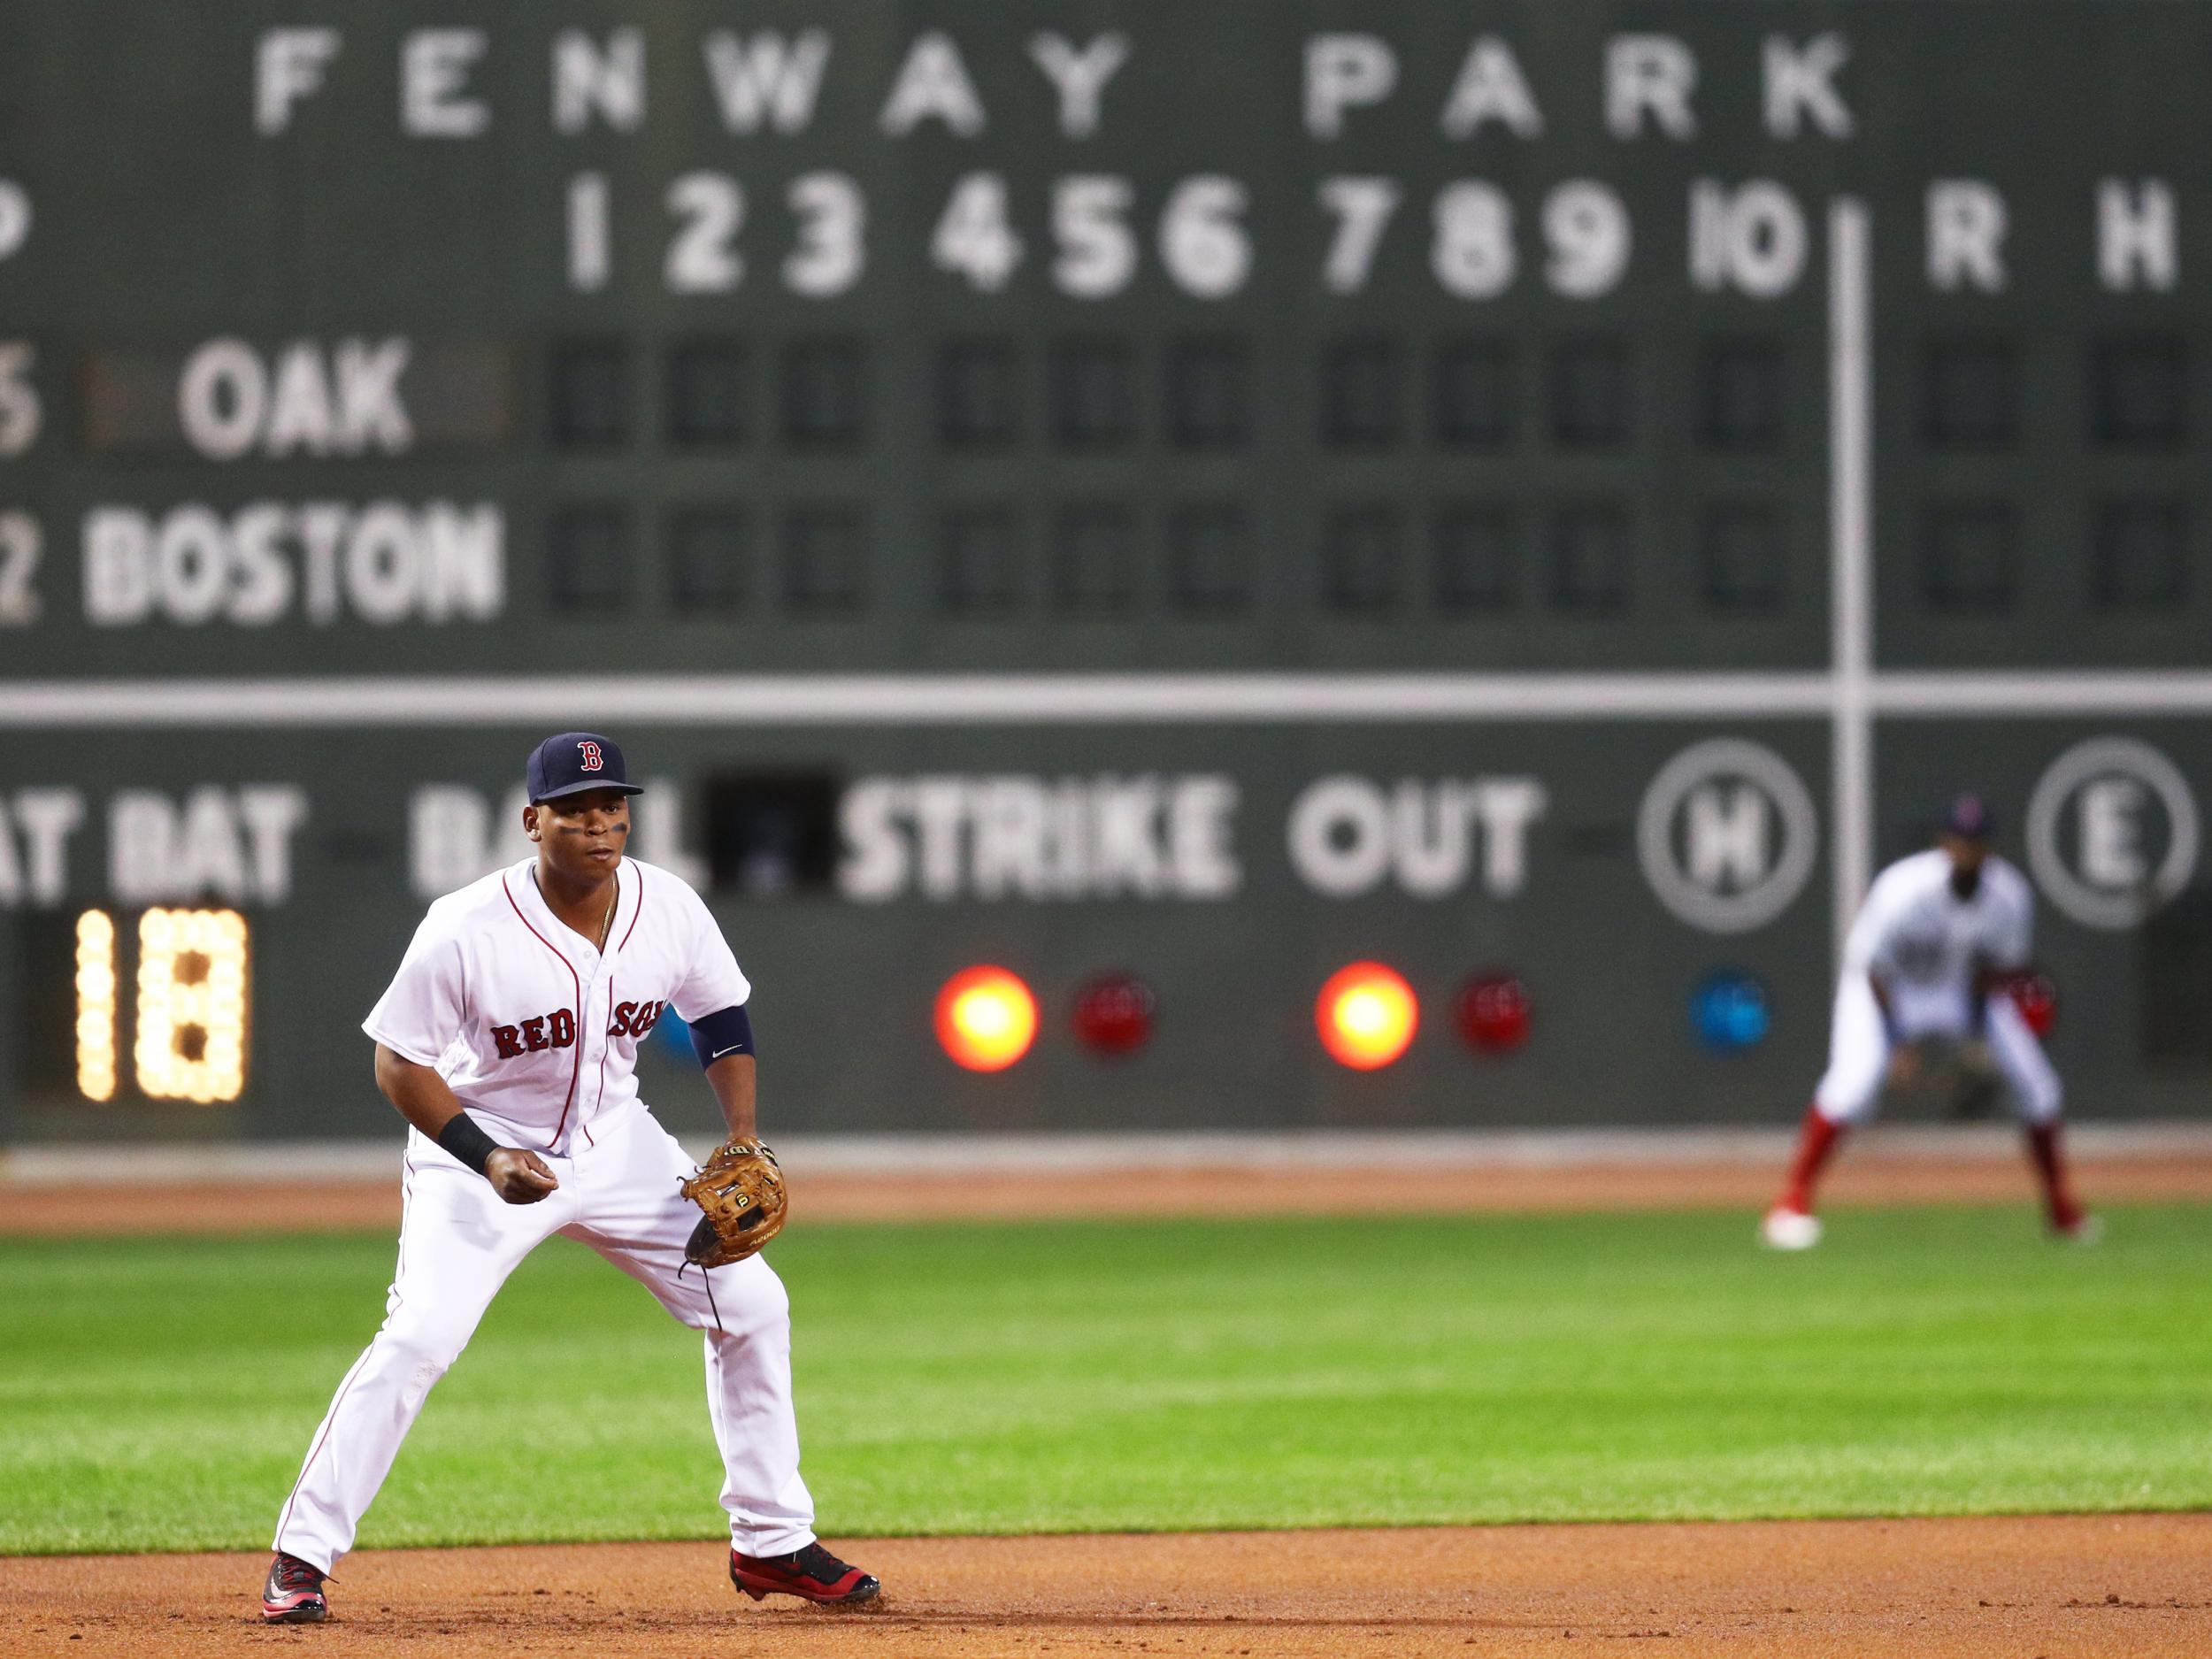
(2134,403)
(1011,454)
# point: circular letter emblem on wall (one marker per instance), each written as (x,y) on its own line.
(1726,835)
(2095,824)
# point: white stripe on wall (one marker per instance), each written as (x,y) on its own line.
(739,700)
(1850,557)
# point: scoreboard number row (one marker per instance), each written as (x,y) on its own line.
(1753,237)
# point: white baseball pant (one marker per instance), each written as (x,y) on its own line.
(1859,1051)
(458,1241)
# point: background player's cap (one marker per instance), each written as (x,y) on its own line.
(1969,819)
(571,762)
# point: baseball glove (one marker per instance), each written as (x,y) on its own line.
(741,1191)
(1965,1078)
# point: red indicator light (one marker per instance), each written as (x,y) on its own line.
(1113,1013)
(1492,1013)
(1367,1015)
(986,1019)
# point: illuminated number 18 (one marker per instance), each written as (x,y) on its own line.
(190,1035)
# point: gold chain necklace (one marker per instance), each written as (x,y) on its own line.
(606,924)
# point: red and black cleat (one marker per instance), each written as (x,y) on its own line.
(294,1593)
(812,1573)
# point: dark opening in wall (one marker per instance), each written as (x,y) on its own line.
(1970,557)
(771,832)
(1969,395)
(1741,396)
(1362,394)
(1475,548)
(979,394)
(1094,557)
(1092,386)
(1472,395)
(709,551)
(980,559)
(1586,548)
(1743,557)
(2139,552)
(1360,559)
(825,394)
(2139,391)
(1209,558)
(587,395)
(587,547)
(1208,393)
(1590,399)
(825,558)
(709,393)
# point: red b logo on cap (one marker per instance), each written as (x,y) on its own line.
(591,755)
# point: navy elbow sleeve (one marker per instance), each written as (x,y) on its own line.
(722,1033)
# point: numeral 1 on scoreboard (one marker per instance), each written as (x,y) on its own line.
(588,232)
(96,1005)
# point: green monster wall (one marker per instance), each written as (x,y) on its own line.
(1209,494)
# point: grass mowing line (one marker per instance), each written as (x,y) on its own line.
(1076,1377)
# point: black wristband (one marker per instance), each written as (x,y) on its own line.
(464,1137)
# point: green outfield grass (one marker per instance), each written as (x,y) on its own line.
(1226,1374)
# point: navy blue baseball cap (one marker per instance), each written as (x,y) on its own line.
(1969,819)
(571,762)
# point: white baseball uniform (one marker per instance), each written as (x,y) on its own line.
(1926,943)
(538,1032)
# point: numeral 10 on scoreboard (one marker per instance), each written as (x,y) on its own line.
(189,1037)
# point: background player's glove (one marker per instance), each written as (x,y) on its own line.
(741,1191)
(1965,1078)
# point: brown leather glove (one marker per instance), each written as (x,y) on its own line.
(741,1191)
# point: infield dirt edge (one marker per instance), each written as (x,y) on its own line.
(2088,1586)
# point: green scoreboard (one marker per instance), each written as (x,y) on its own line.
(1171,501)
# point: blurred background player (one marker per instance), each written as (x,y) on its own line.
(1927,963)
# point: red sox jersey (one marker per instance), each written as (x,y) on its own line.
(1925,943)
(534,1030)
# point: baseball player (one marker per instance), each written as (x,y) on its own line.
(1926,961)
(509,1040)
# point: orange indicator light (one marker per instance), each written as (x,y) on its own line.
(1367,1015)
(986,1019)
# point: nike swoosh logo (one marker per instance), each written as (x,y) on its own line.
(733,1048)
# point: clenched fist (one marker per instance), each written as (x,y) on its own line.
(519,1177)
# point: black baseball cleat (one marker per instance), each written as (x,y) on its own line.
(812,1573)
(294,1593)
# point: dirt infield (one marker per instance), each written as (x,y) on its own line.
(2081,1586)
(1874,1176)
